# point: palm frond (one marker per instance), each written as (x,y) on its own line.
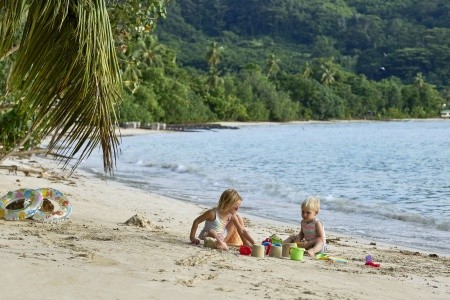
(67,73)
(11,17)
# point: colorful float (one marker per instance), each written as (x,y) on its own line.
(32,201)
(57,215)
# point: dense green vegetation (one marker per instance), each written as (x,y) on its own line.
(293,60)
(285,60)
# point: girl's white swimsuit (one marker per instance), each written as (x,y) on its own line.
(219,226)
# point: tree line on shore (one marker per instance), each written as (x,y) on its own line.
(290,60)
(157,89)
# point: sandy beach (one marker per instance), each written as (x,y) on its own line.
(95,255)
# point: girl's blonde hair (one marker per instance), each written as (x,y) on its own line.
(228,199)
(312,204)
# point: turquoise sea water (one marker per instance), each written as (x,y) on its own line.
(384,181)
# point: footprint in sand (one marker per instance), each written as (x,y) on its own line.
(199,259)
(196,278)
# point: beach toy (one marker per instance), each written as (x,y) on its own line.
(325,256)
(369,262)
(233,238)
(297,253)
(53,216)
(258,250)
(286,248)
(275,251)
(322,256)
(267,247)
(32,201)
(274,239)
(338,259)
(245,250)
(210,242)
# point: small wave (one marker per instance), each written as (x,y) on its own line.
(382,211)
(415,218)
(94,170)
(444,226)
(178,168)
(277,190)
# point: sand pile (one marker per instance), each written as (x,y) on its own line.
(139,220)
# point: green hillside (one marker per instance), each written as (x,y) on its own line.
(377,38)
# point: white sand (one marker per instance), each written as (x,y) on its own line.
(94,255)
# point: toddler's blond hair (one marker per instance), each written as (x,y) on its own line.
(312,204)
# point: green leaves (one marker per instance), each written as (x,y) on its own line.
(11,17)
(66,74)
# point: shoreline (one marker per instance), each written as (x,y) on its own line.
(142,131)
(95,255)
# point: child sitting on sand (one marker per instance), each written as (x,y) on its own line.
(312,234)
(222,222)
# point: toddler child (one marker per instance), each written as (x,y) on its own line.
(312,233)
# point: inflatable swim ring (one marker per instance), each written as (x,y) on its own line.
(32,201)
(57,215)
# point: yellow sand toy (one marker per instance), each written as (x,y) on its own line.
(325,256)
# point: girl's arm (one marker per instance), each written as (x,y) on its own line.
(243,233)
(301,235)
(320,231)
(207,215)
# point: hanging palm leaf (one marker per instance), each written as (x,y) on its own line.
(11,17)
(66,73)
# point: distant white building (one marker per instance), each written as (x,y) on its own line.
(445,113)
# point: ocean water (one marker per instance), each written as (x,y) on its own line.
(384,181)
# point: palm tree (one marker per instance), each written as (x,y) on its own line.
(213,80)
(307,70)
(272,66)
(131,74)
(150,52)
(419,81)
(65,75)
(328,75)
(213,55)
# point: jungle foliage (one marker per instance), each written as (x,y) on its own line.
(292,60)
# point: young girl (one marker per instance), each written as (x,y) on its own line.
(312,233)
(222,221)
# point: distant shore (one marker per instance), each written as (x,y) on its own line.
(140,131)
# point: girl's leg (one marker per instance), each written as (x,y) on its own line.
(292,239)
(233,238)
(317,247)
(219,243)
